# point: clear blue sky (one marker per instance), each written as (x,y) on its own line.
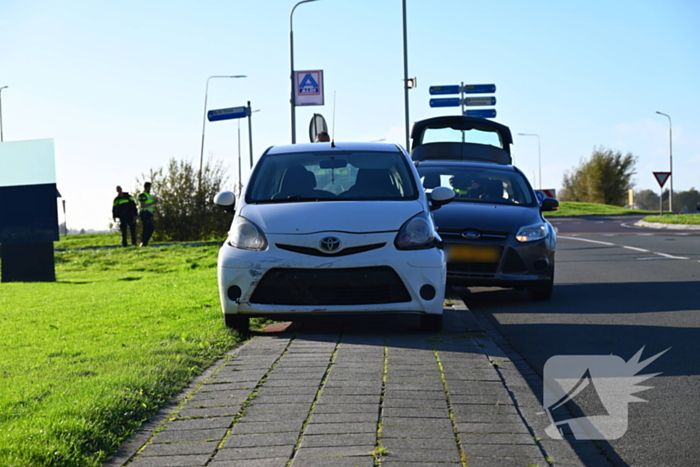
(120,85)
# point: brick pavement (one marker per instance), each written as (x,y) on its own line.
(310,399)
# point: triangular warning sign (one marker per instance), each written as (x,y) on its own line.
(661,177)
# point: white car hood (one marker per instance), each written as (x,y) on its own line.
(335,216)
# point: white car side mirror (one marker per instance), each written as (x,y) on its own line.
(440,196)
(226,200)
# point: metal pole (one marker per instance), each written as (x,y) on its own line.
(539,160)
(670,152)
(239,157)
(250,133)
(1,140)
(405,75)
(291,64)
(204,123)
(539,154)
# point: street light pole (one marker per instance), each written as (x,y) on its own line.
(1,112)
(539,154)
(291,63)
(405,76)
(204,123)
(670,151)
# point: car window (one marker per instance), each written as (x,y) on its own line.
(455,135)
(325,176)
(479,185)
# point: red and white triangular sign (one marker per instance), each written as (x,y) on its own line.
(661,177)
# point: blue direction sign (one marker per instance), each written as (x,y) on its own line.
(472,101)
(227,114)
(437,90)
(445,102)
(481,113)
(479,88)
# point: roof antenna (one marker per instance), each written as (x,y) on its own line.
(333,130)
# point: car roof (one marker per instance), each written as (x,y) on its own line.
(331,147)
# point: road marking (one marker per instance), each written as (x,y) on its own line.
(591,241)
(635,249)
(645,234)
(670,256)
(660,255)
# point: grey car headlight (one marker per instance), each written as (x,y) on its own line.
(418,232)
(530,233)
(246,236)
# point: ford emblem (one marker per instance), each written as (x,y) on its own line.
(471,234)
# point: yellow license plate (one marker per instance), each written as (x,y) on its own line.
(473,254)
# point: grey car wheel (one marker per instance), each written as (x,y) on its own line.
(237,322)
(431,323)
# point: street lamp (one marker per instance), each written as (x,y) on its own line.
(405,75)
(291,62)
(1,112)
(539,153)
(204,121)
(670,151)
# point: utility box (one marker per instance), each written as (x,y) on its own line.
(28,210)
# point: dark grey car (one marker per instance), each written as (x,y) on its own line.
(494,231)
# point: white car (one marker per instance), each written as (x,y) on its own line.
(333,229)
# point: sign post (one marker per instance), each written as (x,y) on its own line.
(462,101)
(308,87)
(661,178)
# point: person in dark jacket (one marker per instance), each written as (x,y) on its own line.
(124,209)
(146,203)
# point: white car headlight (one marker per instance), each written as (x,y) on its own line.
(246,236)
(418,232)
(530,233)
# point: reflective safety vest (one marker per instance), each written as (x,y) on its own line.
(124,206)
(147,199)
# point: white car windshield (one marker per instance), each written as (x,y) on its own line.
(479,185)
(332,176)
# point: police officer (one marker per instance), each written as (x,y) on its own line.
(124,209)
(146,203)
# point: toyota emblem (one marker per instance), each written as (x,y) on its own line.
(471,234)
(330,244)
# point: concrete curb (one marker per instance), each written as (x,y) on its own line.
(659,225)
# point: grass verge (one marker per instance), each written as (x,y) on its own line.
(568,208)
(684,219)
(85,360)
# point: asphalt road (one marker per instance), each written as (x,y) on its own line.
(618,289)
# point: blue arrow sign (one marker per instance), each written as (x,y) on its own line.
(437,90)
(481,113)
(486,100)
(445,102)
(479,88)
(227,114)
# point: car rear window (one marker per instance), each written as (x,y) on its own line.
(456,135)
(479,185)
(332,176)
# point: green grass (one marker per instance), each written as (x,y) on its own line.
(684,219)
(89,240)
(567,208)
(85,360)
